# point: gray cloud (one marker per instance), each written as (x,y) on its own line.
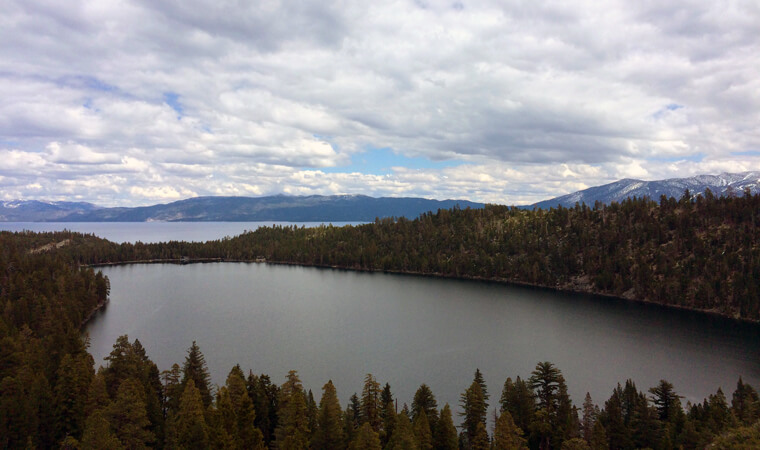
(135,102)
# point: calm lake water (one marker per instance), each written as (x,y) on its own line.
(148,232)
(408,330)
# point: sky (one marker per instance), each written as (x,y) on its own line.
(136,102)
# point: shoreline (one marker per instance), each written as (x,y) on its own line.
(503,281)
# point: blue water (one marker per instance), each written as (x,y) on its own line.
(149,232)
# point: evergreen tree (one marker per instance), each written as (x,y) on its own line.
(506,435)
(97,395)
(403,435)
(74,379)
(172,389)
(599,439)
(246,433)
(667,402)
(370,403)
(445,437)
(589,418)
(388,414)
(191,426)
(195,369)
(424,400)
(98,434)
(744,403)
(518,399)
(329,433)
(292,431)
(422,434)
(128,416)
(366,439)
(474,409)
(480,441)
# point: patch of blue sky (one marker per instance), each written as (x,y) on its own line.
(666,109)
(172,99)
(381,161)
(746,153)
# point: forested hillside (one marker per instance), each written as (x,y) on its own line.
(702,254)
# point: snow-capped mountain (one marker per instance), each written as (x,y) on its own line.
(723,184)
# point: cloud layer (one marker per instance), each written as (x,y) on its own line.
(137,102)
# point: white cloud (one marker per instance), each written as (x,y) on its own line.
(162,100)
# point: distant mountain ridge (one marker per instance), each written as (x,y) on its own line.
(314,208)
(39,211)
(618,191)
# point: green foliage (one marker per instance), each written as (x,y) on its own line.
(329,433)
(507,435)
(403,435)
(128,416)
(195,369)
(191,427)
(445,436)
(292,432)
(474,407)
(422,434)
(366,439)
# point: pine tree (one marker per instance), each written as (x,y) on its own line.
(74,379)
(97,395)
(366,439)
(424,400)
(128,416)
(480,440)
(329,433)
(403,435)
(98,434)
(370,403)
(388,414)
(506,435)
(292,431)
(172,389)
(422,434)
(666,401)
(445,437)
(191,426)
(195,369)
(474,409)
(246,433)
(744,403)
(599,439)
(589,418)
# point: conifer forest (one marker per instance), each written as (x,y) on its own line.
(697,253)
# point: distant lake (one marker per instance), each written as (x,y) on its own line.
(149,232)
(409,330)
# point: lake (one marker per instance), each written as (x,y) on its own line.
(409,330)
(149,232)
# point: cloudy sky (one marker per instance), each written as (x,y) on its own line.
(138,102)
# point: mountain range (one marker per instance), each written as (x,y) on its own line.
(314,208)
(353,208)
(723,184)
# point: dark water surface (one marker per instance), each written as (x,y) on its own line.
(408,330)
(149,232)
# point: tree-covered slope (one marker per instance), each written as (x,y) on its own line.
(702,254)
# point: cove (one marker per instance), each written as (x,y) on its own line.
(408,330)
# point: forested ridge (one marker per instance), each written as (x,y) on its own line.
(701,253)
(52,396)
